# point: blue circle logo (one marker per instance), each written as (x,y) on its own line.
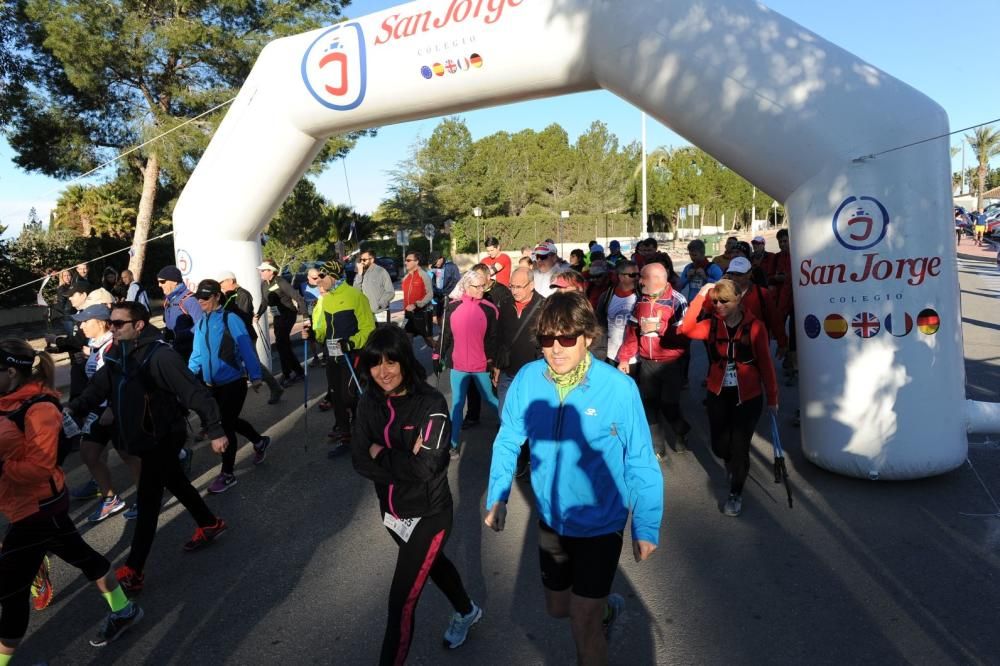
(334,67)
(860,223)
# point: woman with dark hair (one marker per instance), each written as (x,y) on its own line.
(33,498)
(400,441)
(592,465)
(740,373)
(576,260)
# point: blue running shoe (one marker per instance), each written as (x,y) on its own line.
(108,507)
(87,491)
(458,628)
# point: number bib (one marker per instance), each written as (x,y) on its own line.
(730,377)
(403,527)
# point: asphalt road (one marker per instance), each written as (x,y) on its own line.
(858,572)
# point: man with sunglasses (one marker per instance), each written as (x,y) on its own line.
(592,466)
(375,283)
(615,305)
(417,296)
(148,387)
(651,338)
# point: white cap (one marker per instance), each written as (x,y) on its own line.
(227,275)
(758,239)
(739,265)
(264,266)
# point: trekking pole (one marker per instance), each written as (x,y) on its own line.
(780,470)
(305,390)
(354,376)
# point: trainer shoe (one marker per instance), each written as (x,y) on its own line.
(186,455)
(116,624)
(87,491)
(222,483)
(614,610)
(260,450)
(275,396)
(734,505)
(338,450)
(203,536)
(132,512)
(108,507)
(41,587)
(458,628)
(131,580)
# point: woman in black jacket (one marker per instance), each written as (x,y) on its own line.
(400,440)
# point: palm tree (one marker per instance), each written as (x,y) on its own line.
(985,143)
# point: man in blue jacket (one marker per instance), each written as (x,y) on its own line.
(180,310)
(222,357)
(592,464)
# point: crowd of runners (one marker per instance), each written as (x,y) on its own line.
(584,361)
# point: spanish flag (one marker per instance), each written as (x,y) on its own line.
(835,326)
(928,322)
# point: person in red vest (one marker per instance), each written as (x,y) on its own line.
(417,296)
(497,261)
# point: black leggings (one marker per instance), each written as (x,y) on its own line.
(24,547)
(161,469)
(660,390)
(341,391)
(423,554)
(732,426)
(283,325)
(230,398)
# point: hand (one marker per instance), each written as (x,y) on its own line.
(704,289)
(306,325)
(495,377)
(346,344)
(374,450)
(410,308)
(497,516)
(641,550)
(255,385)
(107,417)
(220,444)
(773,409)
(623,366)
(418,444)
(256,318)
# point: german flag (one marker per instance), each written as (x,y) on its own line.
(476,60)
(928,322)
(835,326)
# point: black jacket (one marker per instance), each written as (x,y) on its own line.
(240,302)
(518,342)
(73,345)
(280,294)
(149,387)
(407,485)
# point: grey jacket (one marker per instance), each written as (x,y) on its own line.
(375,284)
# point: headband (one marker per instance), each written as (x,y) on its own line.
(11,361)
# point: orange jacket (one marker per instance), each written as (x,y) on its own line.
(30,472)
(752,357)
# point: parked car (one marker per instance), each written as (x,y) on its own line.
(390,265)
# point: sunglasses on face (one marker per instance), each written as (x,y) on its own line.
(629,275)
(158,281)
(118,323)
(565,341)
(722,301)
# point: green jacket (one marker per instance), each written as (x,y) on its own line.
(343,313)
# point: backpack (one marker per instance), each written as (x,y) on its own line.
(17,416)
(742,348)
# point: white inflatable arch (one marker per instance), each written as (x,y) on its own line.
(874,267)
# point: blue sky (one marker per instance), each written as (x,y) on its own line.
(934,46)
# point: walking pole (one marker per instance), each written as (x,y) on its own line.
(305,390)
(780,471)
(354,376)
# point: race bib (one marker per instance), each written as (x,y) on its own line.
(333,348)
(730,378)
(403,527)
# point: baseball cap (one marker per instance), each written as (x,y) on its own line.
(97,311)
(171,273)
(758,239)
(543,250)
(614,244)
(225,275)
(99,296)
(597,248)
(207,289)
(740,265)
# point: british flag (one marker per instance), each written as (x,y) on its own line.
(866,325)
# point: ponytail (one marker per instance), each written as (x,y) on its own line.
(33,366)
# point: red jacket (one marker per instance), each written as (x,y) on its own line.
(750,352)
(761,303)
(667,345)
(417,289)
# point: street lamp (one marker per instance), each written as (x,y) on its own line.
(478,212)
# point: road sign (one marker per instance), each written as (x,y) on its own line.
(694,209)
(564,214)
(682,212)
(403,237)
(429,230)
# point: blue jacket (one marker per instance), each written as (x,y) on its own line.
(180,314)
(591,457)
(219,359)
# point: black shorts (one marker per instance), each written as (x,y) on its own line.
(101,434)
(585,564)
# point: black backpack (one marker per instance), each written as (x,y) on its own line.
(17,416)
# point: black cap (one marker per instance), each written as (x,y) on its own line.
(171,273)
(206,289)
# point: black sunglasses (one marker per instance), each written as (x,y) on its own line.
(631,275)
(716,301)
(564,340)
(118,323)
